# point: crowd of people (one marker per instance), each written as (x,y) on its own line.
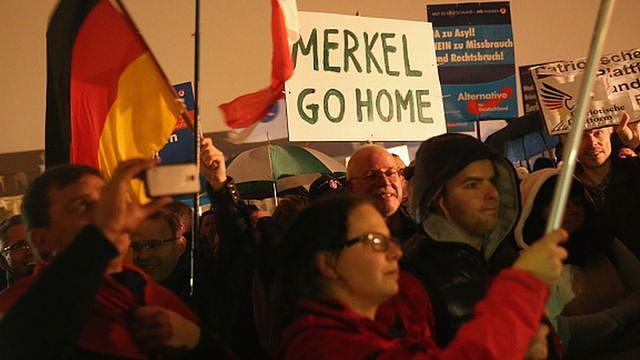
(443,258)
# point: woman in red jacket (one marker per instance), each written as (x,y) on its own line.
(343,296)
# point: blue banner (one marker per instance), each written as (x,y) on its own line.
(475,53)
(179,149)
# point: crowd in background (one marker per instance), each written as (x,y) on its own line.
(445,257)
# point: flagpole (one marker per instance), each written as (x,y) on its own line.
(273,180)
(197,135)
(570,152)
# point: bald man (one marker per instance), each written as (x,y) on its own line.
(373,172)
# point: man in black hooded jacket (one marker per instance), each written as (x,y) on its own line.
(466,202)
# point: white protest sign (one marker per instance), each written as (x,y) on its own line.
(402,151)
(360,78)
(616,90)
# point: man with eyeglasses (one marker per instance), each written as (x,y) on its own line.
(373,172)
(16,258)
(156,247)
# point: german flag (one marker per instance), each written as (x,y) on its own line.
(107,98)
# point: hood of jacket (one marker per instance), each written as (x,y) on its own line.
(442,157)
(529,190)
(592,237)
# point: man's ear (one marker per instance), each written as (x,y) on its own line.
(325,262)
(440,208)
(41,247)
(182,245)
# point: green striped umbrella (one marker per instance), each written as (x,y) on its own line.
(267,169)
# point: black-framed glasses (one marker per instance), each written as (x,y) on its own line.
(20,245)
(378,242)
(150,244)
(375,175)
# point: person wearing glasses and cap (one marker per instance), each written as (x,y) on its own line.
(344,296)
(16,258)
(373,172)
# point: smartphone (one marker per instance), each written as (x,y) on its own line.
(172,179)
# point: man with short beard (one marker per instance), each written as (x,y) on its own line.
(373,172)
(466,201)
(611,183)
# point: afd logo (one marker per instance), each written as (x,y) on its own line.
(557,100)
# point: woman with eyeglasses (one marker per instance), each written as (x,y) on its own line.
(343,296)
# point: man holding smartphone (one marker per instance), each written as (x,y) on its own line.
(79,227)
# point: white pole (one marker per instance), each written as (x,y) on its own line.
(273,180)
(570,153)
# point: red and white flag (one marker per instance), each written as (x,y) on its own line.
(248,109)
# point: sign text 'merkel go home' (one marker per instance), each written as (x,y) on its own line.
(363,53)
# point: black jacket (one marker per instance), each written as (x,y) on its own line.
(401,225)
(622,203)
(456,275)
(224,290)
